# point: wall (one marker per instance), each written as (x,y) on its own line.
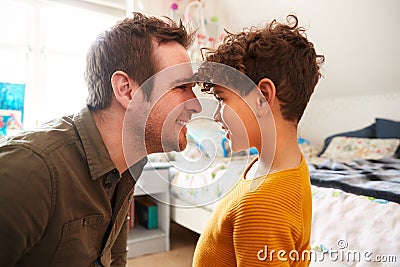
(163,7)
(326,116)
(360,41)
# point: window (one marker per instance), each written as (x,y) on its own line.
(43,45)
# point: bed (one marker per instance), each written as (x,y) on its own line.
(356,197)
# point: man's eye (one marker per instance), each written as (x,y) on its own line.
(181,87)
(184,87)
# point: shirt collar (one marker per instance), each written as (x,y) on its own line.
(98,159)
(136,169)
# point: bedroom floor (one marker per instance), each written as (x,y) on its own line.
(183,242)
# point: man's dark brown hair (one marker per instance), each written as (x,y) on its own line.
(128,46)
(280,52)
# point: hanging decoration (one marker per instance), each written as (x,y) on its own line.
(192,13)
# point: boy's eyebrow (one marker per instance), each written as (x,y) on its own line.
(217,91)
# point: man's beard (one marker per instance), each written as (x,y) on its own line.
(159,139)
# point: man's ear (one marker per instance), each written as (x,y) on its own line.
(123,87)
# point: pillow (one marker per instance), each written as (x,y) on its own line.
(161,157)
(346,149)
(193,150)
(388,129)
(207,136)
(308,150)
(367,132)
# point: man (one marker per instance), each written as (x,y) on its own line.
(66,186)
(266,218)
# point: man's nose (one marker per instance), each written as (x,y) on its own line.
(193,104)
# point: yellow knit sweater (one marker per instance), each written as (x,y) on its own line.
(269,226)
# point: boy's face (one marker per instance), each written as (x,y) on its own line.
(236,116)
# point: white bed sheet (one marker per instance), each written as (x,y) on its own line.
(362,226)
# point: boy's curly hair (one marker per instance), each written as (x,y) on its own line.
(280,52)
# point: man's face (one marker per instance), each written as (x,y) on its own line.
(172,106)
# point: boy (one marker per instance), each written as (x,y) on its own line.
(269,224)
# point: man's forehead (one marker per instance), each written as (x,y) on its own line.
(175,74)
(185,78)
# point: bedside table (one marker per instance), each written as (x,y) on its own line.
(154,181)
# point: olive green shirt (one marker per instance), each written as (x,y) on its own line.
(62,201)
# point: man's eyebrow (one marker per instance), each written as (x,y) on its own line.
(181,81)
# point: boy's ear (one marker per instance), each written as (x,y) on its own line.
(123,87)
(265,97)
(267,88)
